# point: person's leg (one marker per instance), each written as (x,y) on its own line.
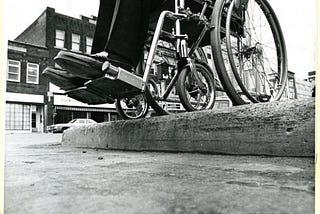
(130,29)
(129,32)
(105,14)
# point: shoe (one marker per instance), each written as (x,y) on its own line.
(113,59)
(87,66)
(63,79)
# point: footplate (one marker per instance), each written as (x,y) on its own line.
(116,83)
(62,78)
(78,64)
(91,97)
(104,81)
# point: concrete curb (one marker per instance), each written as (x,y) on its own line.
(285,128)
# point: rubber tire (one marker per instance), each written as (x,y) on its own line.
(125,116)
(277,34)
(215,37)
(152,102)
(199,53)
(208,75)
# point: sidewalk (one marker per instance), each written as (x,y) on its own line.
(42,176)
(282,128)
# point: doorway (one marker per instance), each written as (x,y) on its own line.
(34,122)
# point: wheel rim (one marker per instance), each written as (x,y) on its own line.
(133,108)
(198,98)
(219,59)
(166,107)
(256,51)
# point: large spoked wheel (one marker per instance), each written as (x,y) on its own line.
(132,108)
(192,96)
(251,56)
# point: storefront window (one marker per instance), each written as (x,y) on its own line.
(17,116)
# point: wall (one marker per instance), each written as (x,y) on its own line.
(36,33)
(33,54)
(304,89)
(70,25)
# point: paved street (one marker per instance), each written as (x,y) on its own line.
(43,176)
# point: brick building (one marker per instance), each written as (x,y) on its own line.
(291,88)
(312,80)
(32,103)
(304,88)
(312,76)
(26,90)
(299,88)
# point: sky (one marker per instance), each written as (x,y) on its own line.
(297,19)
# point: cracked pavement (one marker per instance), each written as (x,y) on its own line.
(43,176)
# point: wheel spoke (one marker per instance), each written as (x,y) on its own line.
(255,50)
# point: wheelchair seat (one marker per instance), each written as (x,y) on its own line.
(191,27)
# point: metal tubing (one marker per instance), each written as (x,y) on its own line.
(205,6)
(193,70)
(153,47)
(183,48)
(197,42)
(181,4)
(177,26)
(170,86)
(203,32)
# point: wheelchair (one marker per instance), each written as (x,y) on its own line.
(249,54)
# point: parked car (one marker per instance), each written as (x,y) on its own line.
(61,127)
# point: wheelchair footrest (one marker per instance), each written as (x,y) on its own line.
(82,65)
(91,97)
(62,78)
(123,84)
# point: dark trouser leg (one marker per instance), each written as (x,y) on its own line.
(105,13)
(129,31)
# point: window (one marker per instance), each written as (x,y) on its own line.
(13,73)
(17,116)
(88,44)
(32,73)
(60,34)
(75,42)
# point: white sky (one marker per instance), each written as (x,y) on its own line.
(297,19)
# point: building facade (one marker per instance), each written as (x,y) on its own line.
(299,88)
(312,80)
(312,76)
(26,90)
(304,88)
(54,32)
